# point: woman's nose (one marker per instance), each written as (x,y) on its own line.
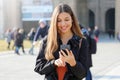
(63,23)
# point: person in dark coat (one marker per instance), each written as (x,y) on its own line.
(19,37)
(8,37)
(41,32)
(13,35)
(63,52)
(96,33)
(88,36)
(118,36)
(30,36)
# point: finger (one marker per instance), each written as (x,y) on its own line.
(70,52)
(60,55)
(56,62)
(63,53)
(62,63)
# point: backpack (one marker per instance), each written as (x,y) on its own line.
(91,41)
(92,45)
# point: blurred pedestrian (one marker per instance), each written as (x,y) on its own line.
(41,32)
(118,36)
(8,37)
(30,36)
(19,37)
(13,35)
(111,33)
(96,33)
(63,53)
(90,32)
(91,49)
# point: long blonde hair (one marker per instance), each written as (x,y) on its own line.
(52,44)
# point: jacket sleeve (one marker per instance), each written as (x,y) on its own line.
(43,66)
(37,34)
(80,69)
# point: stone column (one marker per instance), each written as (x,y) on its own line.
(1,19)
(79,8)
(82,12)
(117,16)
(12,13)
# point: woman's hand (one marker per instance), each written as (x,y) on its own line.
(69,57)
(60,63)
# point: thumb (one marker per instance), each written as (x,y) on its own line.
(60,56)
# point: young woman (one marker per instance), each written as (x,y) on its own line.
(63,52)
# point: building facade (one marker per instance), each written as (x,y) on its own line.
(117,16)
(103,13)
(10,15)
(79,8)
(33,11)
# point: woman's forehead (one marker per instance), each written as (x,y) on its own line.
(64,14)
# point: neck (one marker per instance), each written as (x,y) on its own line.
(66,37)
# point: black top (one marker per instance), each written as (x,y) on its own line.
(77,72)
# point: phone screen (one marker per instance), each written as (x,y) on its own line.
(63,47)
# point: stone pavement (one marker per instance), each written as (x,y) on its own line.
(106,63)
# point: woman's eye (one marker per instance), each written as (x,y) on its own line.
(67,20)
(58,20)
(63,20)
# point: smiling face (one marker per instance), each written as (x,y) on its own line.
(64,23)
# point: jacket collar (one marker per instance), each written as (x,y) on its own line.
(74,41)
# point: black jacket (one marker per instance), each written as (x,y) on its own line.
(77,72)
(19,39)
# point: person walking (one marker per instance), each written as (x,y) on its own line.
(96,33)
(13,35)
(19,38)
(8,38)
(30,36)
(92,48)
(41,32)
(63,52)
(118,36)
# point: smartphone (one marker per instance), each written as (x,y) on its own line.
(63,47)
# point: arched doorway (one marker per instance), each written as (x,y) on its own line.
(91,19)
(110,22)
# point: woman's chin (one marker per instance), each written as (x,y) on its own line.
(64,32)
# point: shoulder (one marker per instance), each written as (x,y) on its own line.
(79,38)
(84,39)
(84,42)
